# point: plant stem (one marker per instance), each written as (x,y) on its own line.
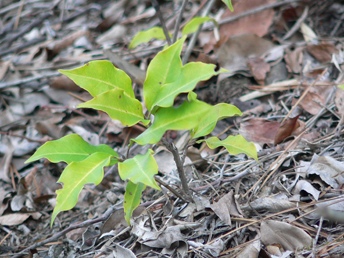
(163,25)
(176,27)
(170,189)
(173,149)
(195,35)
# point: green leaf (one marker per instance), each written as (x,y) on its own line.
(98,77)
(164,68)
(208,122)
(229,4)
(132,199)
(147,35)
(140,169)
(68,149)
(190,75)
(167,78)
(192,96)
(119,106)
(341,86)
(184,117)
(193,25)
(234,145)
(75,176)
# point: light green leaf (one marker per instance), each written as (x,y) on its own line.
(229,4)
(190,75)
(147,35)
(208,122)
(164,68)
(192,96)
(75,176)
(68,149)
(193,25)
(140,169)
(341,86)
(167,78)
(132,198)
(98,77)
(234,145)
(119,106)
(184,117)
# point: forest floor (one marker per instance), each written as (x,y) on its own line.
(285,60)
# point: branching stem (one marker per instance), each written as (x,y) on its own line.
(177,159)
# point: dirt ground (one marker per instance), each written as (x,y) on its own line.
(286,75)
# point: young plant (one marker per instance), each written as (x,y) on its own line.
(112,93)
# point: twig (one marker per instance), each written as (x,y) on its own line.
(29,79)
(195,35)
(22,46)
(303,95)
(233,178)
(297,24)
(86,223)
(163,25)
(275,165)
(170,189)
(325,108)
(180,16)
(3,240)
(26,29)
(336,27)
(173,149)
(315,241)
(22,2)
(23,137)
(268,217)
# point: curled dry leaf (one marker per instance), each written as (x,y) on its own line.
(225,207)
(290,237)
(304,185)
(251,250)
(259,130)
(17,218)
(288,126)
(294,59)
(322,51)
(258,68)
(328,169)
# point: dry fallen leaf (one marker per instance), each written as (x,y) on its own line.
(17,218)
(257,23)
(288,127)
(259,130)
(322,51)
(294,59)
(225,207)
(310,102)
(258,68)
(233,53)
(290,237)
